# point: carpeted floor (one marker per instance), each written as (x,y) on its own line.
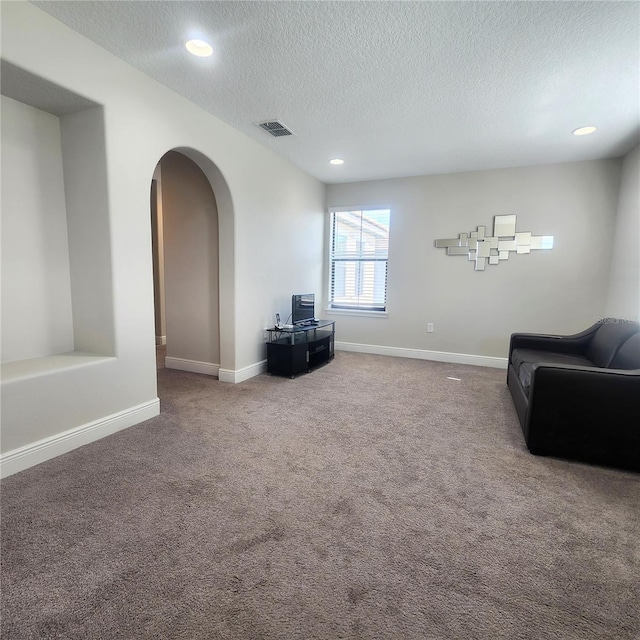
(371,499)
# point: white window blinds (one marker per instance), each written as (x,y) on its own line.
(359,255)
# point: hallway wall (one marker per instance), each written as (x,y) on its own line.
(190,233)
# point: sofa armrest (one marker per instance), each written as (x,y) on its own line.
(586,412)
(576,343)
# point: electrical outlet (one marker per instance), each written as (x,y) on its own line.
(429,327)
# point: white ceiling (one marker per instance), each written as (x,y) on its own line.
(394,88)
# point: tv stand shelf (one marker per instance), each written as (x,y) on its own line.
(301,348)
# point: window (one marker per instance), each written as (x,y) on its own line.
(358,260)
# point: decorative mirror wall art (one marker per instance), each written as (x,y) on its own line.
(481,248)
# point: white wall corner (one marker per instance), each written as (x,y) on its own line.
(43,450)
(240,375)
(422,354)
(193,366)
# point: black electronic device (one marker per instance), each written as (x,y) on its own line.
(303,308)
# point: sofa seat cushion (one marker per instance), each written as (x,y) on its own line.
(524,376)
(534,356)
(524,359)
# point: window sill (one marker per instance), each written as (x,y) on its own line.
(356,312)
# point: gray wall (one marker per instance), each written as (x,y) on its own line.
(157,241)
(624,286)
(190,237)
(562,290)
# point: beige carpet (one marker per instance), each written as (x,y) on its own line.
(371,499)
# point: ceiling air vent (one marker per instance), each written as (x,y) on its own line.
(275,128)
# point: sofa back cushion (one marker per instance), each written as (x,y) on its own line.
(608,339)
(628,356)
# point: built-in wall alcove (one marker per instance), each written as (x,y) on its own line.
(57,299)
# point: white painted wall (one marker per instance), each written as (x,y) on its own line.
(36,286)
(282,253)
(190,235)
(624,286)
(560,291)
(88,223)
(270,213)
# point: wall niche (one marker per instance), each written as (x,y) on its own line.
(57,299)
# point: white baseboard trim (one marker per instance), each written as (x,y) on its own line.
(43,450)
(208,368)
(161,341)
(422,354)
(240,375)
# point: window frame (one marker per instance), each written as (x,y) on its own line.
(368,310)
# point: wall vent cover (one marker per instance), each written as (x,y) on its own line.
(275,128)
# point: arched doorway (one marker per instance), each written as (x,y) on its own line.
(188,233)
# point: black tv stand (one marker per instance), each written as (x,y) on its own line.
(300,348)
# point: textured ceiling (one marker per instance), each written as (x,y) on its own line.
(394,88)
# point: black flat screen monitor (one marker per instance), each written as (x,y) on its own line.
(302,307)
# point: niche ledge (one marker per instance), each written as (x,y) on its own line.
(34,367)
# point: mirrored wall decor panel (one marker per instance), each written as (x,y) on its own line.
(481,249)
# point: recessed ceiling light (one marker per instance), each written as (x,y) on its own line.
(199,48)
(336,161)
(583,131)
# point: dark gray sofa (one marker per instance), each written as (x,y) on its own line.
(578,396)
